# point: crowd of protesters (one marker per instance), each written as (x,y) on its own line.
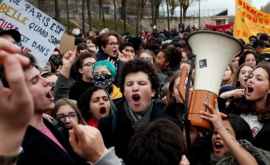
(115,100)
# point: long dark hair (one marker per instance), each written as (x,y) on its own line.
(84,100)
(266,66)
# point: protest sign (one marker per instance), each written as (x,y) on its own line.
(67,43)
(249,21)
(40,33)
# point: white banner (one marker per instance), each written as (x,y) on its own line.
(40,32)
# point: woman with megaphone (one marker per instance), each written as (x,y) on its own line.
(231,140)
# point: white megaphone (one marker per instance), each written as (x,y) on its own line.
(213,52)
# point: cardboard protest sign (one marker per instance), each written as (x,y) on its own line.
(67,43)
(249,21)
(40,33)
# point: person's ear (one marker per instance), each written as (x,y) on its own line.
(153,93)
(80,70)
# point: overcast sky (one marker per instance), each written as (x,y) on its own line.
(209,7)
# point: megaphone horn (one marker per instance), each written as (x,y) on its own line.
(213,51)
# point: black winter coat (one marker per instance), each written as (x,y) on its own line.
(117,129)
(39,149)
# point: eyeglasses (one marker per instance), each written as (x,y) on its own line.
(62,117)
(88,64)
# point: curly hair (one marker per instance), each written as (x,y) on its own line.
(136,66)
(161,143)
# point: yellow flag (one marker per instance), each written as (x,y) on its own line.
(249,21)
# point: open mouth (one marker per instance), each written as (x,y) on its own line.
(136,97)
(250,89)
(114,51)
(50,96)
(102,110)
(218,145)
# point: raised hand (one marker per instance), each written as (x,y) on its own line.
(87,142)
(213,116)
(68,59)
(242,156)
(7,48)
(16,104)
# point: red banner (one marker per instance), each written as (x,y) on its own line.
(220,28)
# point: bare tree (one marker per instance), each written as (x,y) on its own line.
(184,4)
(101,12)
(67,15)
(155,10)
(139,13)
(89,14)
(138,6)
(83,16)
(124,14)
(181,11)
(173,4)
(168,13)
(43,5)
(56,10)
(115,14)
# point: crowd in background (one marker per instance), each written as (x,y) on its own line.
(115,100)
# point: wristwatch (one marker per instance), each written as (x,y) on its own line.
(11,159)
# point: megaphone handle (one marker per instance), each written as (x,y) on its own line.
(188,84)
(207,102)
(182,82)
(187,122)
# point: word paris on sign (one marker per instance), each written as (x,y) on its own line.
(40,32)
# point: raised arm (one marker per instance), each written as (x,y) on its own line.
(64,82)
(16,104)
(242,156)
(88,143)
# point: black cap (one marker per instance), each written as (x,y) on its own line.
(13,33)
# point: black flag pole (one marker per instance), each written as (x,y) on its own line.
(187,123)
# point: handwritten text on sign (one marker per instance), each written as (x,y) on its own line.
(40,32)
